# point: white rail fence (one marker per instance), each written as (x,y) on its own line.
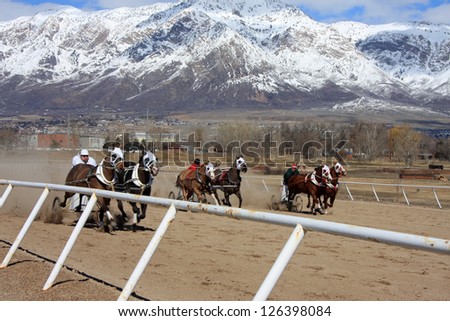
(402,187)
(300,226)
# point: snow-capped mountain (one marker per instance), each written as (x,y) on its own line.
(206,54)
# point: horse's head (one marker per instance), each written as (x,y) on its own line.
(149,161)
(240,164)
(340,170)
(326,174)
(323,171)
(210,170)
(117,161)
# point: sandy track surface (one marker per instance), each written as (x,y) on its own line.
(207,257)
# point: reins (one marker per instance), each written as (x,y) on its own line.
(84,180)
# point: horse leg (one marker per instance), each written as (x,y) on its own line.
(136,215)
(146,192)
(313,203)
(290,197)
(104,208)
(80,203)
(226,200)
(199,194)
(325,203)
(124,214)
(321,204)
(238,194)
(216,197)
(67,195)
(332,198)
(316,206)
(186,194)
(143,210)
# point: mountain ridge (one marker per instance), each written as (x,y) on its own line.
(215,54)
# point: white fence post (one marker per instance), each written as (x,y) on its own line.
(149,251)
(5,195)
(73,237)
(436,197)
(25,227)
(375,193)
(348,191)
(404,195)
(280,264)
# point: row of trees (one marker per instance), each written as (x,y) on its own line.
(367,140)
(370,141)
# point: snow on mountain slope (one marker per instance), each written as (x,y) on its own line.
(415,53)
(217,53)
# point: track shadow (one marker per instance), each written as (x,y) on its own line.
(129,227)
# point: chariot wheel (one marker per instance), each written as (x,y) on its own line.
(171,195)
(298,204)
(55,216)
(274,206)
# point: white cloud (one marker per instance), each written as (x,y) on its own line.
(371,11)
(11,10)
(439,14)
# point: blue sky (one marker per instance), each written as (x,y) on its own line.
(366,11)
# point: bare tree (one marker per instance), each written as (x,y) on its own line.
(405,143)
(240,132)
(442,150)
(369,139)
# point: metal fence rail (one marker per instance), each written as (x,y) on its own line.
(299,224)
(402,187)
(398,186)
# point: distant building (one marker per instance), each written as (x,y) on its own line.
(92,143)
(53,141)
(62,141)
(156,137)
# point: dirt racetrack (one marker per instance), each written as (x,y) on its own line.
(207,257)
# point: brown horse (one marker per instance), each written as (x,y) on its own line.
(309,184)
(330,190)
(229,181)
(137,178)
(196,181)
(103,177)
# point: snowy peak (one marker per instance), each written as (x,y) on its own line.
(239,7)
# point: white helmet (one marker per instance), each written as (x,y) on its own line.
(84,152)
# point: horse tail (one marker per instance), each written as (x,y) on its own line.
(177,183)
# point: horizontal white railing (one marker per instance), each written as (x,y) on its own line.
(300,225)
(402,187)
(398,186)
